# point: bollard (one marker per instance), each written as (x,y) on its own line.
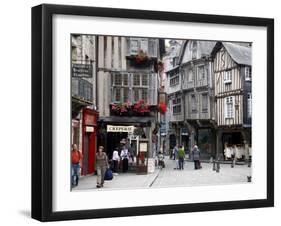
(232,164)
(249,163)
(214,165)
(218,167)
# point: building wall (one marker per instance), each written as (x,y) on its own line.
(223,89)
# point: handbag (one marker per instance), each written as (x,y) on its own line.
(108,175)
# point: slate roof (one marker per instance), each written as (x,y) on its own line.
(204,47)
(240,54)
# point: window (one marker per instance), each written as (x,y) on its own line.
(117,94)
(229,107)
(74,53)
(248,73)
(148,46)
(205,102)
(140,87)
(174,80)
(136,93)
(144,94)
(190,76)
(176,105)
(134,46)
(201,72)
(136,80)
(144,45)
(249,105)
(144,80)
(193,103)
(117,79)
(125,79)
(120,86)
(227,77)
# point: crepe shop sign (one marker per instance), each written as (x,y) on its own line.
(121,129)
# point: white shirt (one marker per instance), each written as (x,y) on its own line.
(124,154)
(115,156)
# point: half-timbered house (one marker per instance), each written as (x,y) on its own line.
(233,96)
(195,66)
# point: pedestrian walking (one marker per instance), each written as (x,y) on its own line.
(176,150)
(115,159)
(76,158)
(196,157)
(161,163)
(101,165)
(125,155)
(181,156)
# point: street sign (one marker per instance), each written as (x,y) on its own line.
(82,70)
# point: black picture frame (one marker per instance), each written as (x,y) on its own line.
(42,111)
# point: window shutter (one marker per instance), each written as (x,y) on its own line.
(225,108)
(152,92)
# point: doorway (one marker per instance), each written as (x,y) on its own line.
(113,142)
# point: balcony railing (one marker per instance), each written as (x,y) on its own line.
(82,89)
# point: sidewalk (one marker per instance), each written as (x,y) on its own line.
(120,181)
(169,177)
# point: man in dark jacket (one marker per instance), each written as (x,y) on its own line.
(196,157)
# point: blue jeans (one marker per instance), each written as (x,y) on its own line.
(181,161)
(75,174)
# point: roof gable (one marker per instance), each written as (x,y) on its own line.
(240,54)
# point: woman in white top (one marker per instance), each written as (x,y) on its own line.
(125,158)
(115,159)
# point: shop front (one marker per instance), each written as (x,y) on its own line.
(136,131)
(234,143)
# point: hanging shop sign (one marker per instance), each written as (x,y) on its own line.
(89,129)
(82,70)
(120,129)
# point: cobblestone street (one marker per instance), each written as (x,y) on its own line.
(168,177)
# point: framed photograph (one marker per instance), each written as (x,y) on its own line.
(146,112)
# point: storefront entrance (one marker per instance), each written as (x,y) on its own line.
(114,139)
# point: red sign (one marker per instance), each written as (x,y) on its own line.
(90,117)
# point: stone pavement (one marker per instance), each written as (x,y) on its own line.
(168,177)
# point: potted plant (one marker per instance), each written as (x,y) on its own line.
(120,108)
(162,108)
(141,107)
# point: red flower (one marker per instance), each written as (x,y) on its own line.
(162,108)
(141,107)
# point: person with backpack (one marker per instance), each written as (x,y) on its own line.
(101,166)
(76,158)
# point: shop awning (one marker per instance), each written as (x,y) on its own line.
(123,120)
